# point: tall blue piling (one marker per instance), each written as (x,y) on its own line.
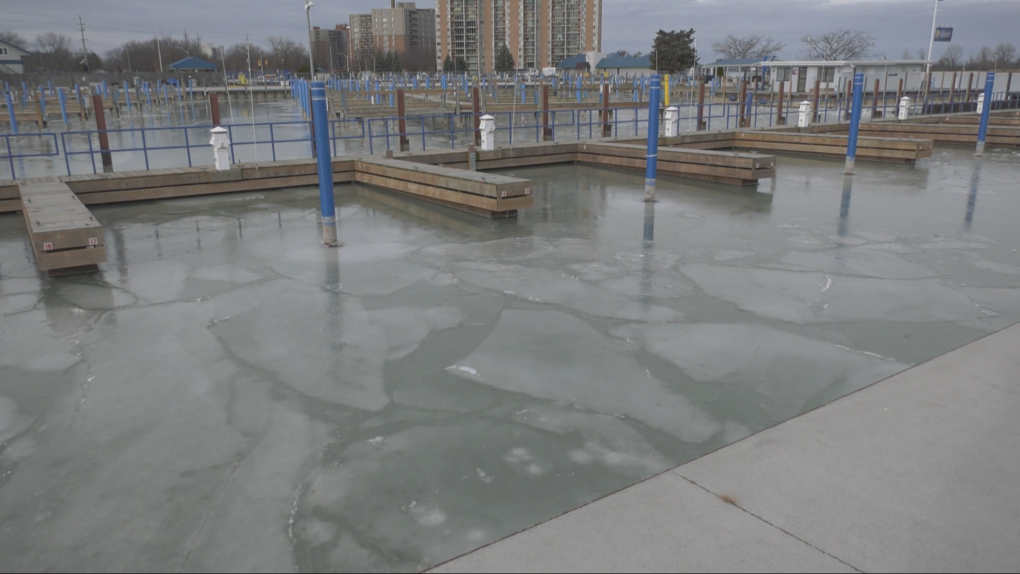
(127,96)
(63,104)
(855,122)
(106,90)
(148,94)
(10,112)
(42,99)
(443,80)
(652,157)
(986,111)
(325,161)
(50,84)
(747,109)
(524,93)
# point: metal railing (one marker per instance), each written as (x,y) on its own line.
(510,125)
(11,156)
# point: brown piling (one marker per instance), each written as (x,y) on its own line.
(740,104)
(780,120)
(874,101)
(970,84)
(104,138)
(818,93)
(952,93)
(476,111)
(546,130)
(607,128)
(214,109)
(401,121)
(701,106)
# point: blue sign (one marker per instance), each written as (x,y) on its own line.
(944,34)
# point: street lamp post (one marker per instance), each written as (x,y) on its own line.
(931,46)
(308,19)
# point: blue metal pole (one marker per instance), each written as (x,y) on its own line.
(855,121)
(42,99)
(651,163)
(747,108)
(127,96)
(524,93)
(325,161)
(443,81)
(10,111)
(63,104)
(986,111)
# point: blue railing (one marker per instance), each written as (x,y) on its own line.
(510,125)
(190,141)
(11,156)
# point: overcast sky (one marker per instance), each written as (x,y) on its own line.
(897,25)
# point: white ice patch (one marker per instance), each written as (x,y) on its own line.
(467,370)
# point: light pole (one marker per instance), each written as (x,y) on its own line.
(308,19)
(931,45)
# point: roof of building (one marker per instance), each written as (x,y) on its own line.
(572,62)
(15,46)
(608,62)
(192,63)
(733,62)
(871,63)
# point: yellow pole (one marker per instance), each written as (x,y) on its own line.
(665,88)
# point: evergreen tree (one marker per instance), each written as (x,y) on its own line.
(504,59)
(673,52)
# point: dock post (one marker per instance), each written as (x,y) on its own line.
(740,104)
(546,130)
(42,99)
(701,106)
(652,155)
(818,90)
(986,109)
(104,138)
(970,85)
(855,120)
(325,163)
(477,116)
(874,101)
(10,112)
(780,120)
(401,121)
(63,104)
(214,108)
(899,91)
(607,127)
(127,96)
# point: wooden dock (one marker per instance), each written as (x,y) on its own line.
(65,237)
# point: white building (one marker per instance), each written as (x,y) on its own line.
(834,75)
(10,58)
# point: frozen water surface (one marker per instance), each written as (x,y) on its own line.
(227,395)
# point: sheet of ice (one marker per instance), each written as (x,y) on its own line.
(10,304)
(227,273)
(554,355)
(788,373)
(30,342)
(543,285)
(854,262)
(797,296)
(89,296)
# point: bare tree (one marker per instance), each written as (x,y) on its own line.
(52,53)
(286,53)
(905,55)
(982,58)
(952,57)
(922,54)
(12,37)
(1005,53)
(745,47)
(843,44)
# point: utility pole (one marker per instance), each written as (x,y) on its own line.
(159,51)
(185,36)
(84,50)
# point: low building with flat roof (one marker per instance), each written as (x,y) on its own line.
(833,76)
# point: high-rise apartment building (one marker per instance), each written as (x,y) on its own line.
(539,33)
(331,48)
(402,28)
(362,46)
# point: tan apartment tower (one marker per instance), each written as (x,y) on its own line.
(539,33)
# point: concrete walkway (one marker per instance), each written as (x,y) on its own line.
(919,472)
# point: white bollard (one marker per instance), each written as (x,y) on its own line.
(487,126)
(904,110)
(671,119)
(981,103)
(221,148)
(804,119)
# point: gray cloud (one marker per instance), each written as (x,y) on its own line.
(897,25)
